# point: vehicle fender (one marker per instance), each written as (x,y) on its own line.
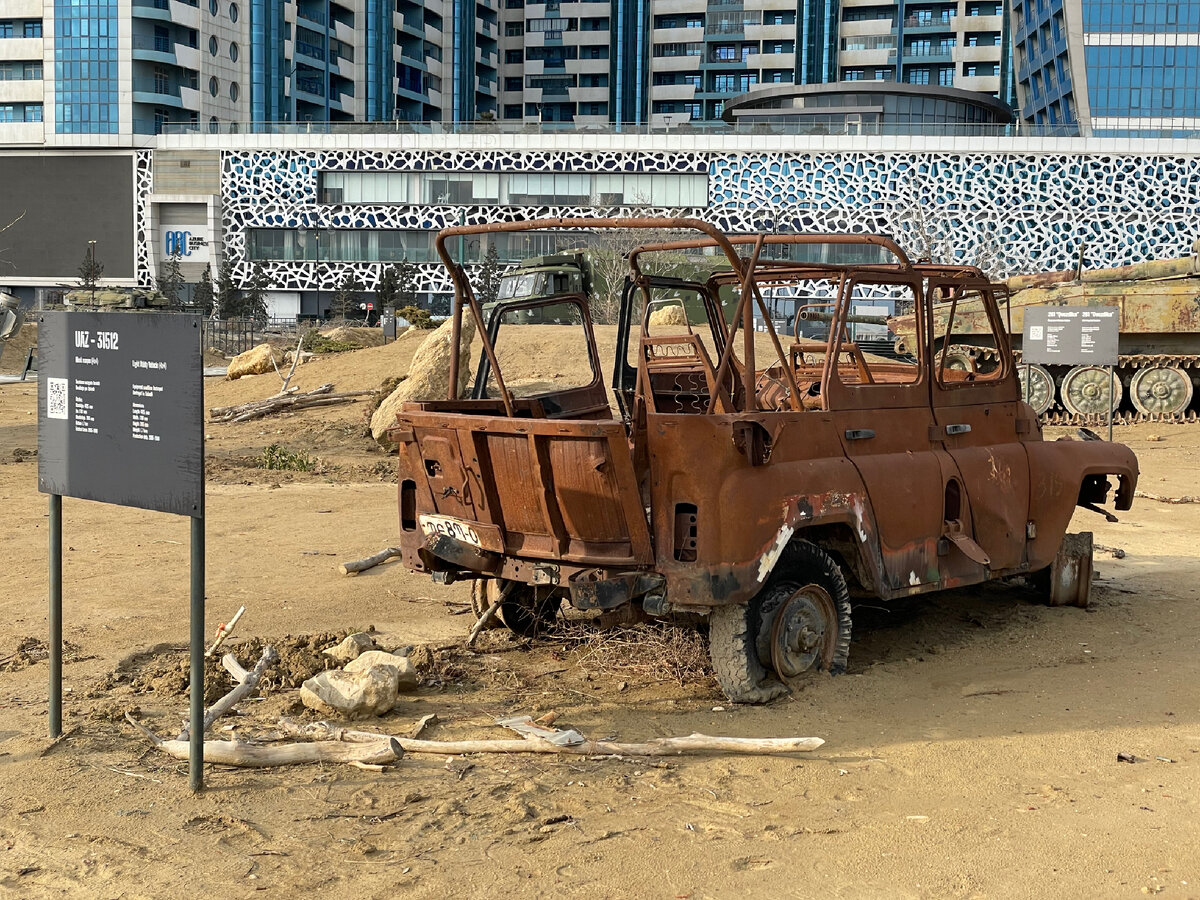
(1057,470)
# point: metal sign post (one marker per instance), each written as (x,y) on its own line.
(121,420)
(387,321)
(1073,336)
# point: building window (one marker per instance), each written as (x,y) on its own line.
(946,77)
(6,29)
(214,46)
(512,110)
(233,52)
(918,76)
(7,113)
(233,12)
(514,29)
(33,29)
(514,57)
(213,8)
(214,86)
(234,91)
(33,112)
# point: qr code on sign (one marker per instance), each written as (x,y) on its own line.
(56,398)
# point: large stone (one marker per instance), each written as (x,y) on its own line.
(669,315)
(405,670)
(355,695)
(255,361)
(428,375)
(351,647)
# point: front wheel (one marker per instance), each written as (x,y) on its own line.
(799,622)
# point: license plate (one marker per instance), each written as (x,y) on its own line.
(451,528)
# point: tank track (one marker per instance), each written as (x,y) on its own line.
(1127,366)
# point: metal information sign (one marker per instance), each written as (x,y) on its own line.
(121,420)
(1071,335)
(122,410)
(387,321)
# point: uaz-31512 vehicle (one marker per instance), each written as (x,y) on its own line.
(761,493)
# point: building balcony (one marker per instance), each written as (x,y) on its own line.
(883,56)
(190,98)
(977,54)
(985,84)
(930,55)
(156,92)
(677,35)
(674,63)
(588,94)
(28,91)
(188,57)
(913,25)
(865,27)
(344,33)
(673,91)
(155,10)
(305,15)
(153,49)
(981,23)
(185,14)
(21,49)
(22,133)
(23,9)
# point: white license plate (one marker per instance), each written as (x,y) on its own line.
(451,528)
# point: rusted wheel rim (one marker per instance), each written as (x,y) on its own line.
(1085,391)
(1162,390)
(960,361)
(1041,387)
(804,632)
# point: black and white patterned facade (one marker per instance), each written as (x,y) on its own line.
(143,180)
(1023,211)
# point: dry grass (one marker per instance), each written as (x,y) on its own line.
(653,652)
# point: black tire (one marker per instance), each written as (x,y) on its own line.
(530,611)
(484,592)
(741,636)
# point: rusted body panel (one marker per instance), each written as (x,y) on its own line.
(912,477)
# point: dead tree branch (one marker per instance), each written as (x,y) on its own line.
(269,657)
(361,565)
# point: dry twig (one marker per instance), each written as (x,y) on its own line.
(361,565)
(321,396)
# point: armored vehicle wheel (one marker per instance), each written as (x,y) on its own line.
(484,592)
(1161,390)
(1085,391)
(530,611)
(799,622)
(963,362)
(1041,387)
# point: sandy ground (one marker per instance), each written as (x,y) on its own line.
(971,749)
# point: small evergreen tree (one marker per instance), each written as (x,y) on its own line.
(388,288)
(228,297)
(90,270)
(254,297)
(489,276)
(170,280)
(406,280)
(203,298)
(347,297)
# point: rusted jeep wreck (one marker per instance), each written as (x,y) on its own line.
(758,482)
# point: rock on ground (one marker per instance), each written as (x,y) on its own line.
(405,670)
(371,692)
(353,646)
(428,375)
(669,315)
(254,361)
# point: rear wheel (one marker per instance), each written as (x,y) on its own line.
(529,610)
(484,592)
(798,623)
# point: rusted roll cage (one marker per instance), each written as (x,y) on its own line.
(742,270)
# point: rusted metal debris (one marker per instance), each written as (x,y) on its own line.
(761,493)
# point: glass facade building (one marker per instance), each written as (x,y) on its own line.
(85,67)
(1109,68)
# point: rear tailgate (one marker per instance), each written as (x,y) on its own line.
(555,489)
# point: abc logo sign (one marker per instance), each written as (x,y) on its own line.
(182,243)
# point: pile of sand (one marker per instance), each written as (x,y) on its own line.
(349,334)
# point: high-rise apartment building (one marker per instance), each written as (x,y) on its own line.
(103,71)
(1109,68)
(708,52)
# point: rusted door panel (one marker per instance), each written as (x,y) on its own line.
(996,479)
(982,438)
(894,455)
(558,489)
(1057,469)
(447,477)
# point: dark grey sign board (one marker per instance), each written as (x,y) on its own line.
(121,409)
(1071,335)
(387,321)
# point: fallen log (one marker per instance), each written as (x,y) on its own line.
(243,688)
(1146,495)
(361,565)
(321,396)
(672,746)
(241,754)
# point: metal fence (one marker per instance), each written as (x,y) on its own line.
(233,336)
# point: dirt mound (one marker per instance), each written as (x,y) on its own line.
(25,651)
(15,349)
(349,334)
